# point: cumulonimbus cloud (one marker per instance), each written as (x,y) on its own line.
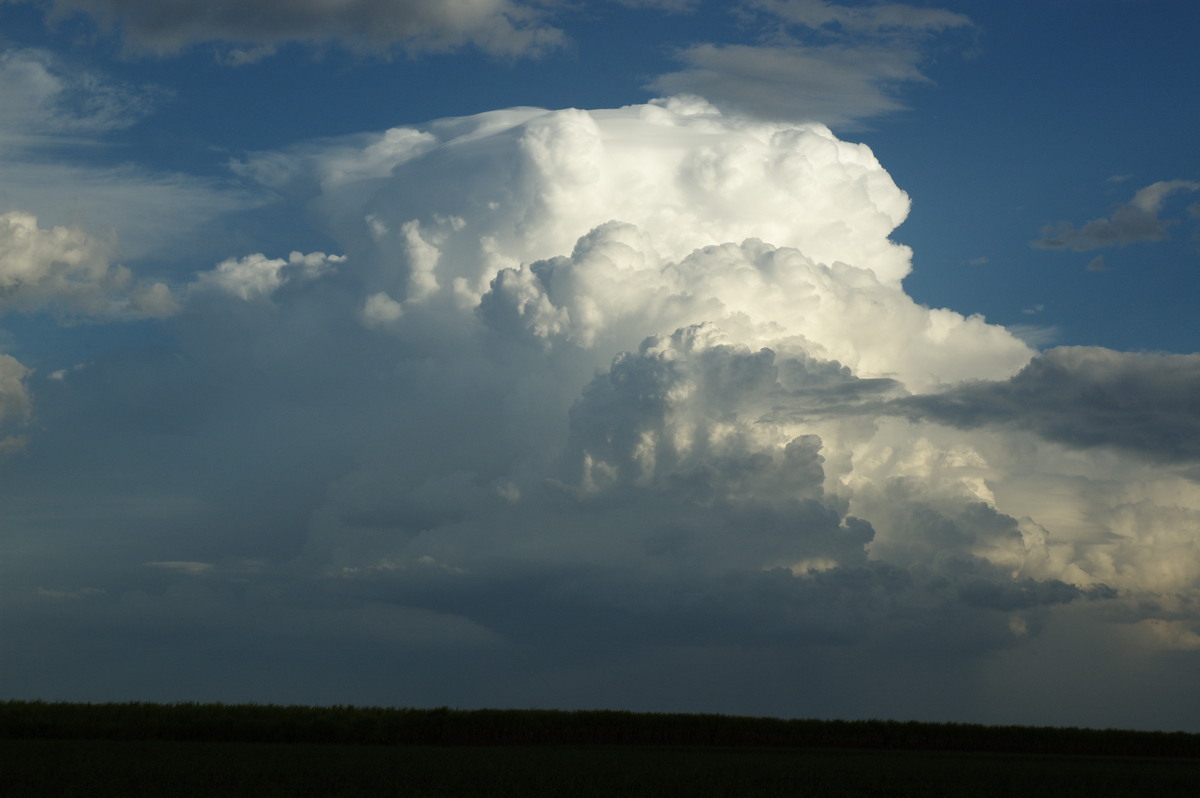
(642,383)
(656,352)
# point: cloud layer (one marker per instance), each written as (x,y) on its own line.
(598,407)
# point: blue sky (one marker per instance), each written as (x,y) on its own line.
(777,357)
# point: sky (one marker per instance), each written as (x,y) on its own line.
(774,357)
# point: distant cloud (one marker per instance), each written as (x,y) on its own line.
(251,30)
(861,56)
(833,84)
(192,568)
(70,272)
(1097,264)
(1138,220)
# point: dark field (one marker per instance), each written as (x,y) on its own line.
(215,750)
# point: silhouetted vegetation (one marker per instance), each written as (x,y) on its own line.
(186,750)
(438,727)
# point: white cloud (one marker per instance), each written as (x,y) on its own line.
(1137,220)
(69,271)
(257,275)
(250,31)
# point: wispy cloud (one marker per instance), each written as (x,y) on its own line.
(45,101)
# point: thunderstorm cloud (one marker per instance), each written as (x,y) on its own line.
(587,408)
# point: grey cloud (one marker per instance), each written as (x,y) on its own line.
(1144,403)
(501,27)
(869,53)
(622,608)
(1138,220)
(834,84)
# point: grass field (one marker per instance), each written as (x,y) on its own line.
(132,750)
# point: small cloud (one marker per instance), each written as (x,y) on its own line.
(258,276)
(1035,309)
(1138,220)
(13,444)
(381,310)
(70,595)
(183,567)
(1097,264)
(1118,178)
(977,261)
